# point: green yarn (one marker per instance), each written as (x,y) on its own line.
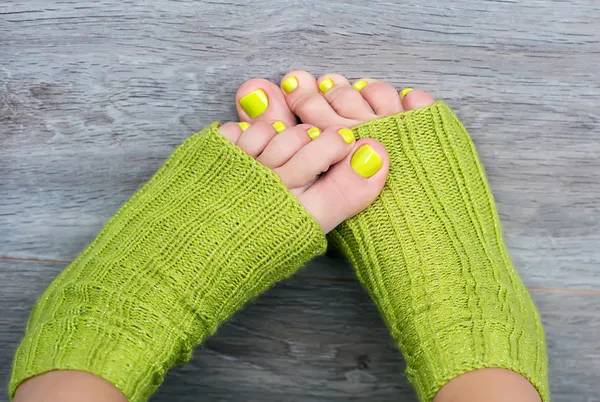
(211,230)
(430,252)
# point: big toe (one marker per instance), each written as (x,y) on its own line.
(260,100)
(349,186)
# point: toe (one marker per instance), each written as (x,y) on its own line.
(306,101)
(414,99)
(344,99)
(349,186)
(381,96)
(285,145)
(233,131)
(261,100)
(255,138)
(326,149)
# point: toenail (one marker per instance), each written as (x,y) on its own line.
(279,126)
(359,85)
(347,135)
(326,85)
(365,161)
(405,91)
(289,84)
(313,133)
(255,103)
(244,126)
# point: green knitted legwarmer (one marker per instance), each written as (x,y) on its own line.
(430,253)
(211,230)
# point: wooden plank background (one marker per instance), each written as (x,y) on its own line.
(94,95)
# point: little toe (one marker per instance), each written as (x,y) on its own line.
(256,137)
(232,131)
(326,149)
(285,145)
(345,99)
(306,101)
(381,96)
(414,99)
(349,186)
(261,100)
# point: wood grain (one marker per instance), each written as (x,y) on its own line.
(94,95)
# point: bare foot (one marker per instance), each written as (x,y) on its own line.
(329,103)
(332,100)
(333,176)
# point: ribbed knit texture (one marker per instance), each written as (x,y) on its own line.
(211,230)
(430,253)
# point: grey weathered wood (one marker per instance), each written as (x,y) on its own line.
(311,339)
(94,95)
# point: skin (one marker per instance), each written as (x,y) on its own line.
(330,198)
(68,386)
(492,385)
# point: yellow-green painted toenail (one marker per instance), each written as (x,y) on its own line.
(347,135)
(289,84)
(365,161)
(244,126)
(313,133)
(255,103)
(405,91)
(279,126)
(326,85)
(360,84)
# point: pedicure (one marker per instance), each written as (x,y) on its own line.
(347,135)
(313,133)
(289,84)
(405,91)
(279,126)
(326,85)
(255,103)
(244,126)
(360,84)
(365,161)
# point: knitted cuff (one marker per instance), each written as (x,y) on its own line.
(211,230)
(430,253)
